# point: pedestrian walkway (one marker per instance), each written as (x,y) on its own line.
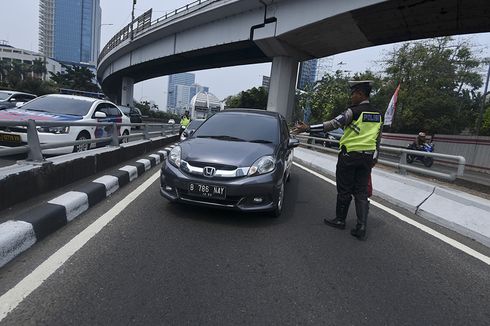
(454,209)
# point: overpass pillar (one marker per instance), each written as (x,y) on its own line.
(283,86)
(127,90)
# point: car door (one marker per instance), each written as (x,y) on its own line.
(102,131)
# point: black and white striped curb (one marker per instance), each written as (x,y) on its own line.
(30,227)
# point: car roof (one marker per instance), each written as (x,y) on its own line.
(251,111)
(15,92)
(75,97)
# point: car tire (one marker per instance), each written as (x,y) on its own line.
(279,202)
(82,147)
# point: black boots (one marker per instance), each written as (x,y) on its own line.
(362,210)
(341,213)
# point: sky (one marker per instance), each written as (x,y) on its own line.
(23,33)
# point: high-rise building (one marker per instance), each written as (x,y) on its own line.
(179,97)
(307,73)
(69,30)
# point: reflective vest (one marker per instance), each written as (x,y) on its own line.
(362,134)
(185,121)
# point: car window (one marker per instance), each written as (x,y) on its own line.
(125,109)
(24,98)
(113,110)
(285,130)
(243,126)
(4,95)
(59,105)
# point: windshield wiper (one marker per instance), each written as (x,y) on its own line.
(223,137)
(260,141)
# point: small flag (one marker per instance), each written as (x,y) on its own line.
(390,111)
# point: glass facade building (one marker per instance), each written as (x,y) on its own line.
(307,73)
(178,97)
(70,30)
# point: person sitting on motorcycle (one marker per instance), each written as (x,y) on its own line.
(420,140)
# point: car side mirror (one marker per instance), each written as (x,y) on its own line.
(100,115)
(293,142)
(19,104)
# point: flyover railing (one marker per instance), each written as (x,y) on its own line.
(33,148)
(144,23)
(328,145)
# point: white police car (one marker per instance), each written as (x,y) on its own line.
(56,107)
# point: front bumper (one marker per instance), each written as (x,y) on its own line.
(242,193)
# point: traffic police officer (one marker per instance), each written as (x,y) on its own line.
(358,153)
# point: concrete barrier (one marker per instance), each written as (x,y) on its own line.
(24,181)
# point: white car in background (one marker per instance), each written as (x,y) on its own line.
(56,107)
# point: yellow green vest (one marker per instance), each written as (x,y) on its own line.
(184,121)
(362,134)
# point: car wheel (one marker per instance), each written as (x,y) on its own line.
(428,161)
(82,147)
(279,202)
(124,140)
(410,158)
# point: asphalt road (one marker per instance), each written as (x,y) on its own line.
(158,263)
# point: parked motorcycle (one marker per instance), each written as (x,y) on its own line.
(426,160)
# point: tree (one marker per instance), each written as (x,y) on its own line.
(76,77)
(254,98)
(438,79)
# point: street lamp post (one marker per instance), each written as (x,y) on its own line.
(132,19)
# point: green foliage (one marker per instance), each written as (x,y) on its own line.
(485,127)
(438,79)
(75,77)
(146,110)
(255,98)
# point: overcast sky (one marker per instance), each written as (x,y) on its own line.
(20,22)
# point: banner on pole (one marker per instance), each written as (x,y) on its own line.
(390,111)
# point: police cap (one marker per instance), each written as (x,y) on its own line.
(362,85)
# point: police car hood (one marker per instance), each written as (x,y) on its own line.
(24,115)
(232,153)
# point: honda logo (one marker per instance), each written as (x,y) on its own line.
(208,171)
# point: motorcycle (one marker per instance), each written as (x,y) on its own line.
(426,160)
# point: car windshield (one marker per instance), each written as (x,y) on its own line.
(4,95)
(59,105)
(125,109)
(194,124)
(238,126)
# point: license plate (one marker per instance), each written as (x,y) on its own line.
(9,138)
(209,191)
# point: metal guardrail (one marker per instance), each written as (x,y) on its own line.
(401,165)
(34,148)
(143,24)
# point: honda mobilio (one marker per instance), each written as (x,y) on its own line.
(238,159)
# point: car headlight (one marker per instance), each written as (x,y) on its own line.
(174,156)
(263,165)
(54,130)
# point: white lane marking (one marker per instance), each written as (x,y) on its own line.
(19,292)
(75,203)
(132,170)
(418,225)
(15,237)
(146,162)
(156,157)
(110,182)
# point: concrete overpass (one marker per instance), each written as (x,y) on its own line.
(219,33)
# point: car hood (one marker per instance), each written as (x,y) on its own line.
(23,115)
(234,153)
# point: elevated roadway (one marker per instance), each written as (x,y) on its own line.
(220,33)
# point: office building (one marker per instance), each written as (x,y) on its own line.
(11,54)
(307,73)
(179,96)
(69,30)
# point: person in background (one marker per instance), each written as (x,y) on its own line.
(420,140)
(184,122)
(358,153)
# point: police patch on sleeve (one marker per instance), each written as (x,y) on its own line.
(371,117)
